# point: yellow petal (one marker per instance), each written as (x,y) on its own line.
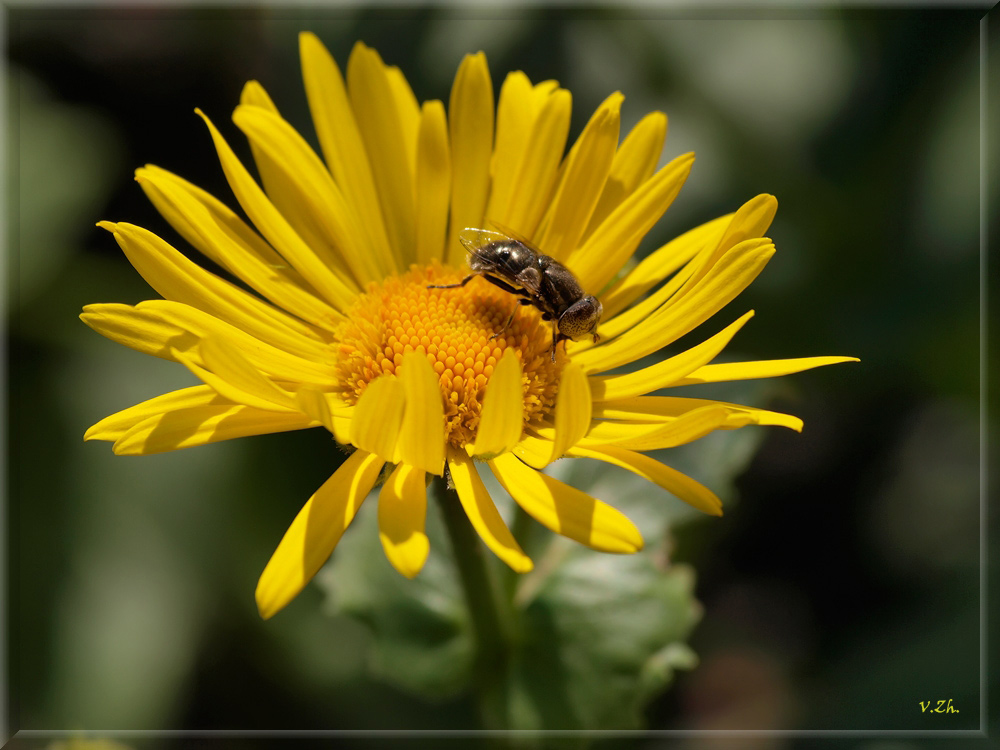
(683,487)
(327,410)
(749,222)
(684,429)
(633,164)
(333,232)
(341,142)
(228,363)
(201,425)
(408,109)
(665,373)
(769,368)
(502,418)
(378,416)
(421,437)
(516,112)
(604,253)
(730,276)
(222,236)
(483,514)
(566,510)
(534,450)
(178,279)
(655,408)
(269,359)
(433,183)
(276,228)
(226,389)
(402,510)
(470,122)
(315,532)
(143,330)
(657,266)
(586,171)
(281,186)
(381,128)
(237,231)
(539,168)
(572,418)
(115,425)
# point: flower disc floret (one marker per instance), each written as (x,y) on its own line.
(460,331)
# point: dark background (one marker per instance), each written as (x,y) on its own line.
(842,588)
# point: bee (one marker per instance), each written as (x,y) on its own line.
(538,280)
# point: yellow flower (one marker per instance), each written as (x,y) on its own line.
(345,332)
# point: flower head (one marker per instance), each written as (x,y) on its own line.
(345,328)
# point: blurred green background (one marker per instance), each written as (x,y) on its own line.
(841,588)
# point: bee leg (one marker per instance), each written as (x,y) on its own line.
(463,282)
(510,318)
(556,338)
(505,286)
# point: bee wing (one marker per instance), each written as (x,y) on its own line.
(474,239)
(511,234)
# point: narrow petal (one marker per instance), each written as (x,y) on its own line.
(534,450)
(381,128)
(341,141)
(572,420)
(681,486)
(658,265)
(201,425)
(280,185)
(655,408)
(334,234)
(115,425)
(227,362)
(315,531)
(604,253)
(730,276)
(421,437)
(188,325)
(433,184)
(402,511)
(566,510)
(276,228)
(408,109)
(634,163)
(711,246)
(322,407)
(143,330)
(770,368)
(378,416)
(228,390)
(501,421)
(643,437)
(222,236)
(750,222)
(179,279)
(483,514)
(536,177)
(516,112)
(470,121)
(665,373)
(586,171)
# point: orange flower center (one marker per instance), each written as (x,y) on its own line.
(455,329)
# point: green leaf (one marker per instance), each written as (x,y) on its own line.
(420,627)
(600,637)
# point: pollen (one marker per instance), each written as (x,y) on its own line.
(460,331)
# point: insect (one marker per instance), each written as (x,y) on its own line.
(536,279)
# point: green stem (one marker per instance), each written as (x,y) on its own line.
(488,610)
